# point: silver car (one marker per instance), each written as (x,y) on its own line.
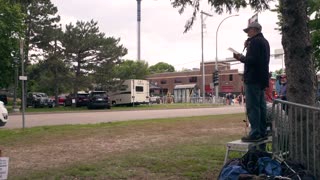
(3,114)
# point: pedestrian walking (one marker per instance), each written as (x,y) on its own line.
(240,99)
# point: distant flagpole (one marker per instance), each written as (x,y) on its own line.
(139,20)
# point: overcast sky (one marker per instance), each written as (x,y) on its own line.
(162,37)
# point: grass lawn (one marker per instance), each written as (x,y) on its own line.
(176,148)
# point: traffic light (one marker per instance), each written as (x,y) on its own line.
(215,77)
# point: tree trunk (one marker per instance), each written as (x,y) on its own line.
(300,70)
(297,48)
(77,76)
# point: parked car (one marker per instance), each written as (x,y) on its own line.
(39,99)
(81,99)
(3,114)
(61,99)
(155,99)
(98,99)
(4,99)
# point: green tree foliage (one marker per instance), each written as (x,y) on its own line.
(219,6)
(130,69)
(104,74)
(54,70)
(127,69)
(161,67)
(50,74)
(39,15)
(280,71)
(11,28)
(42,34)
(314,10)
(42,78)
(88,51)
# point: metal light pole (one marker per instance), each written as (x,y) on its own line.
(203,71)
(216,65)
(139,20)
(22,78)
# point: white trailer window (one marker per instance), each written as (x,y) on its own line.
(139,88)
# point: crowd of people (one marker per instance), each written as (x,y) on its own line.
(277,90)
(232,99)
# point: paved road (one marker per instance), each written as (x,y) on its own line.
(31,120)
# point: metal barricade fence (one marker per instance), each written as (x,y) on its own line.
(296,134)
(199,100)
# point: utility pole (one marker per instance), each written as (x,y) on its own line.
(202,56)
(55,63)
(22,78)
(139,20)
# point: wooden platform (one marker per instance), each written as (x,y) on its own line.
(241,146)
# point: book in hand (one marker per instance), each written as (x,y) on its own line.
(234,51)
(236,54)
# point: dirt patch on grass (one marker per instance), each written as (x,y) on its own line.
(60,151)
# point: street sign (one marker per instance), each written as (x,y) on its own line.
(23,78)
(4,166)
(278,53)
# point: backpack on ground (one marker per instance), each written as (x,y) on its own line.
(232,169)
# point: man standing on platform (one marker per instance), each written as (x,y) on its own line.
(256,79)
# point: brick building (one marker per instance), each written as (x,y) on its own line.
(230,80)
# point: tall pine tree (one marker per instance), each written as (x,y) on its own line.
(88,50)
(39,15)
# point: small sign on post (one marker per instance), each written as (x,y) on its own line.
(73,102)
(278,53)
(4,167)
(23,78)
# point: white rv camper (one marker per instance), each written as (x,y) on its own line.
(131,92)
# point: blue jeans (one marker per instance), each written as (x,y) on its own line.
(256,110)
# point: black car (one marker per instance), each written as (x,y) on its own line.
(39,99)
(81,99)
(98,99)
(4,99)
